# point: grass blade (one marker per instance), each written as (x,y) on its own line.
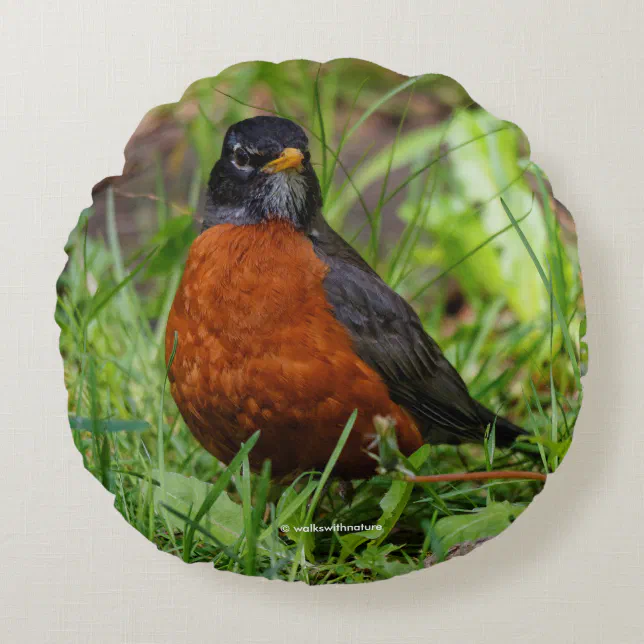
(560,316)
(320,117)
(299,558)
(331,464)
(374,107)
(160,441)
(222,483)
(100,303)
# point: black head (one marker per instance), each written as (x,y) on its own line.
(264,173)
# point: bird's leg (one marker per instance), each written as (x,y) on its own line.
(346,491)
(326,492)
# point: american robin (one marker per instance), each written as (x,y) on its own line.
(282,326)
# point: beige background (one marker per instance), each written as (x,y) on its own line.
(77,78)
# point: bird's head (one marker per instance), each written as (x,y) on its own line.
(264,172)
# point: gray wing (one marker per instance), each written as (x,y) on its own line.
(388,335)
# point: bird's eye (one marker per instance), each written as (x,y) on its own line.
(307,156)
(241,157)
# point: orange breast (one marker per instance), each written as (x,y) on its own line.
(259,348)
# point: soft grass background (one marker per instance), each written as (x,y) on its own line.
(412,171)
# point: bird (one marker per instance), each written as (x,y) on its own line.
(279,325)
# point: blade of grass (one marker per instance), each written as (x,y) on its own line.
(377,213)
(487,321)
(375,106)
(422,169)
(100,303)
(198,528)
(160,446)
(320,117)
(560,316)
(331,464)
(299,558)
(256,516)
(555,256)
(285,513)
(412,227)
(222,483)
(465,257)
(325,192)
(535,430)
(245,493)
(161,193)
(554,431)
(131,303)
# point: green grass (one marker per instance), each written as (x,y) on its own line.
(475,218)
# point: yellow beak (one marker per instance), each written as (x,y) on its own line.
(290,158)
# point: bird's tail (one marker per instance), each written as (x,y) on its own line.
(505,431)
